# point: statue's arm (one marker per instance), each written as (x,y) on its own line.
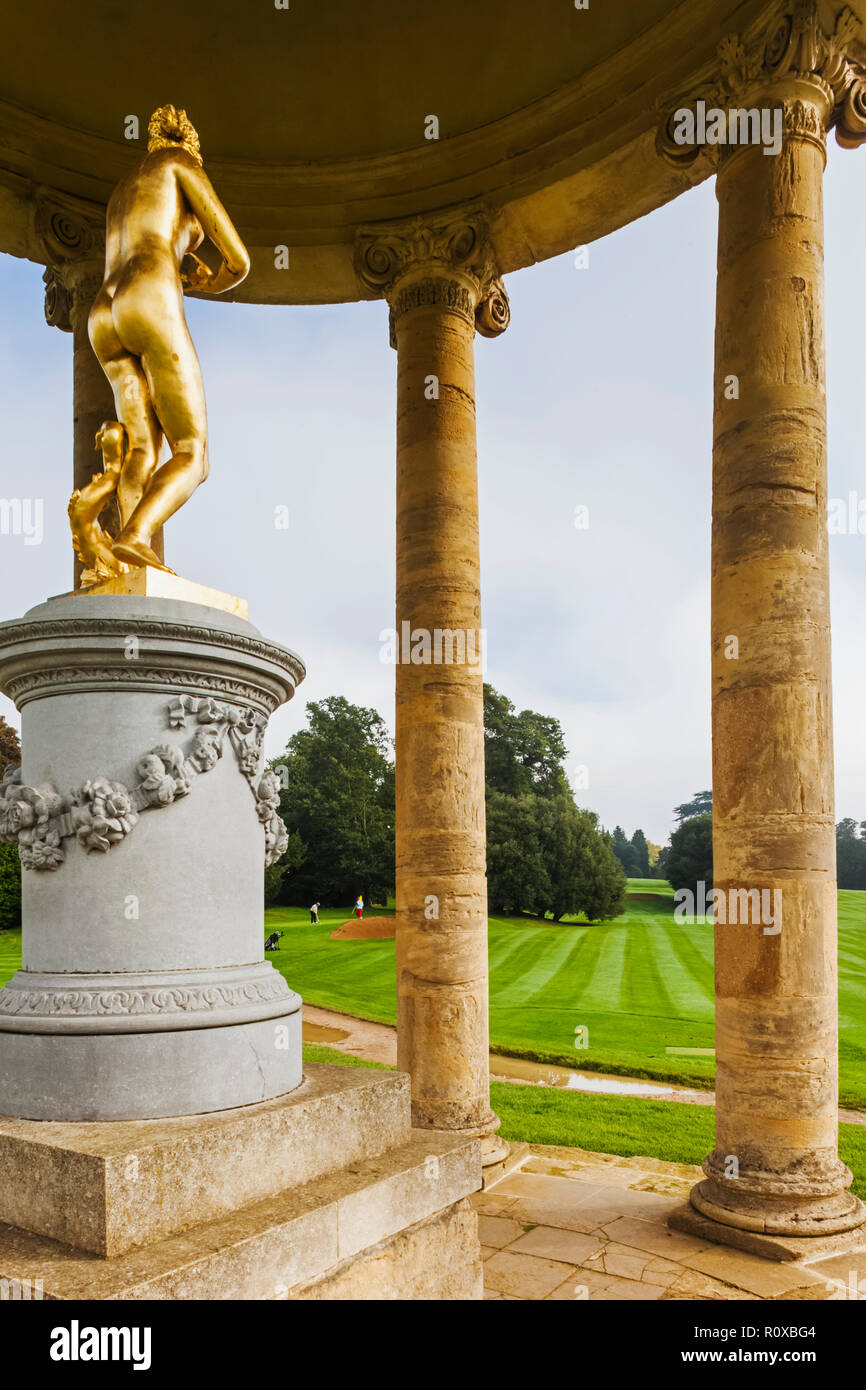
(217,226)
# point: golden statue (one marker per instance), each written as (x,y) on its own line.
(156,219)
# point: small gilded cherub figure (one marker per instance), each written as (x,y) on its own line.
(157,217)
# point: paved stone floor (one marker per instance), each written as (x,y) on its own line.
(571,1224)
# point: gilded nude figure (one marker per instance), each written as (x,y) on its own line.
(156,219)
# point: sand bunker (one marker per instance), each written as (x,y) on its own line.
(368,929)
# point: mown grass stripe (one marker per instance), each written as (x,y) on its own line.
(644,990)
(551,946)
(602,988)
(690,974)
(559,967)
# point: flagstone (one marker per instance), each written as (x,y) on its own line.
(526,1276)
(498,1230)
(654,1236)
(553,1243)
(765,1277)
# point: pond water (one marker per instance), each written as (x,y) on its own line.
(541,1073)
(545,1074)
(318,1033)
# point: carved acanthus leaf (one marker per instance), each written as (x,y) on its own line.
(446,260)
(795,45)
(58,301)
(68,230)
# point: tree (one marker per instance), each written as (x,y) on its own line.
(10,746)
(624,851)
(603,895)
(339,801)
(700,804)
(523,752)
(10,864)
(851,854)
(641,855)
(517,876)
(545,854)
(10,887)
(690,857)
(275,874)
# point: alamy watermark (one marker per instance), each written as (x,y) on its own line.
(731,907)
(23,516)
(847,517)
(738,126)
(21,1290)
(444,646)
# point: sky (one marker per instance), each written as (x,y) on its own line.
(598,396)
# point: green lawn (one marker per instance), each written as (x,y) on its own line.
(639,985)
(10,954)
(614,1124)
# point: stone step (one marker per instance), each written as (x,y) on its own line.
(511,1162)
(109,1188)
(272,1247)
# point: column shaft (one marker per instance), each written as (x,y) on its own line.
(440,817)
(775,1167)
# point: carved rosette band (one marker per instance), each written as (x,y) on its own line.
(101,812)
(792,58)
(447,262)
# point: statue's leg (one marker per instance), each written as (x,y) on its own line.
(135,412)
(174,378)
(133,405)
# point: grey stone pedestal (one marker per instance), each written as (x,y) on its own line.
(143,818)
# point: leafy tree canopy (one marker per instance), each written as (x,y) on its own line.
(700,804)
(10,746)
(524,751)
(689,859)
(544,854)
(851,853)
(10,864)
(338,806)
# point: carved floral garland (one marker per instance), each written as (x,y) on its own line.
(101,813)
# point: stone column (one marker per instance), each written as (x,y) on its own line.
(775,1172)
(441,286)
(69,293)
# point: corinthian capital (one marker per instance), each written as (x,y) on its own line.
(57,301)
(803,69)
(445,260)
(70,289)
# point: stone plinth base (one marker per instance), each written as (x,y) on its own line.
(109,1188)
(802,1249)
(126,1074)
(437,1259)
(325,1193)
(151,583)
